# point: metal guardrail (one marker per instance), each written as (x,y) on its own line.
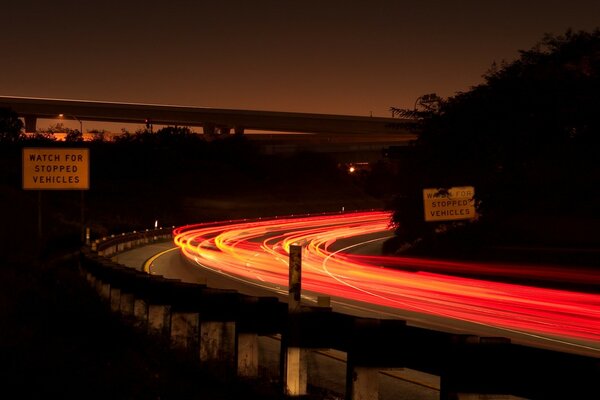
(220,327)
(113,244)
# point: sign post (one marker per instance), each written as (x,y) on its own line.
(456,203)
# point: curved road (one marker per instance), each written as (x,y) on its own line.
(339,261)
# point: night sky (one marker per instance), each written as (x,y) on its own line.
(326,56)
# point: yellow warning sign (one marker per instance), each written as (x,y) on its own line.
(56,169)
(449,204)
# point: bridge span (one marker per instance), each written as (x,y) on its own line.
(212,120)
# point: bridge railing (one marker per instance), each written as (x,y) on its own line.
(220,328)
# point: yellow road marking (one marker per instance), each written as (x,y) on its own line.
(148,263)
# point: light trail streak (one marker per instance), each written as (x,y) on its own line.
(258,250)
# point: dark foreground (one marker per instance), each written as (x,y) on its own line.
(58,340)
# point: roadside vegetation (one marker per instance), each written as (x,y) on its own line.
(57,339)
(527,139)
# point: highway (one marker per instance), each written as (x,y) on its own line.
(340,261)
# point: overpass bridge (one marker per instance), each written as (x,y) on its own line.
(212,120)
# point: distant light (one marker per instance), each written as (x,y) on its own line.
(155,224)
(351,169)
(61,115)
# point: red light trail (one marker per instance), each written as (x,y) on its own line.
(258,251)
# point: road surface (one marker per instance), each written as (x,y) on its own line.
(251,257)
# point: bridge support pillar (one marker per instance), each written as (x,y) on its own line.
(30,123)
(247,355)
(217,345)
(159,319)
(140,313)
(184,330)
(296,371)
(362,383)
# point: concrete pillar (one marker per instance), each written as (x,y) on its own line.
(296,372)
(30,123)
(159,319)
(184,330)
(365,383)
(140,313)
(247,355)
(127,304)
(115,299)
(217,342)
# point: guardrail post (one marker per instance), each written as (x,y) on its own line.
(159,319)
(247,355)
(127,304)
(296,378)
(257,316)
(365,383)
(295,366)
(203,321)
(374,345)
(476,366)
(185,327)
(217,342)
(362,379)
(140,314)
(103,288)
(115,299)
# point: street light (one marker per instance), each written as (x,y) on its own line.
(78,120)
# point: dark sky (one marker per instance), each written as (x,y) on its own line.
(324,56)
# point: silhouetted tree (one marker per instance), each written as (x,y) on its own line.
(41,137)
(11,126)
(175,134)
(527,138)
(98,135)
(73,135)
